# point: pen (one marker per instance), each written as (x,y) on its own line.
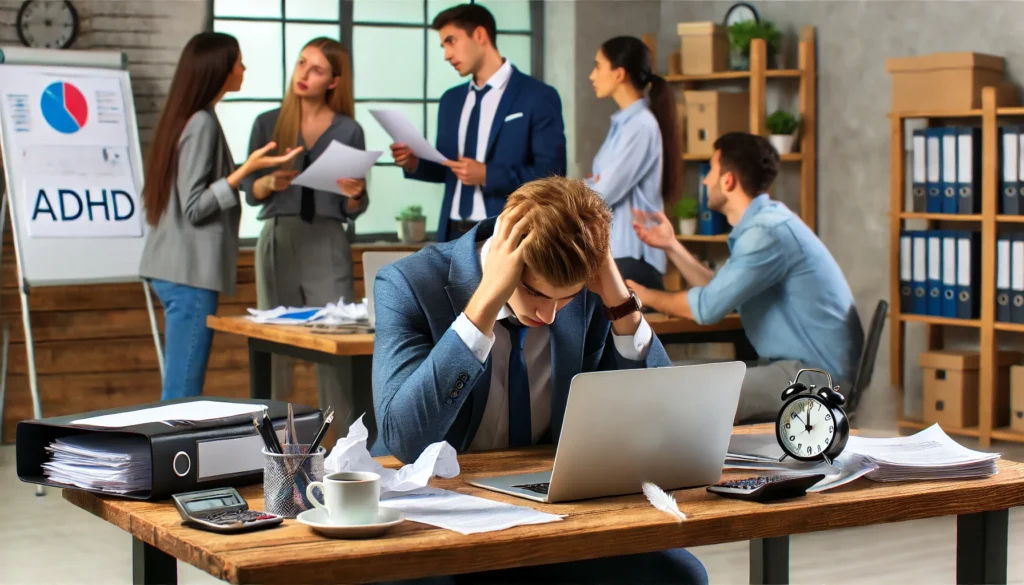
(321,433)
(273,434)
(263,434)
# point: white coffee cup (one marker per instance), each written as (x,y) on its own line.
(350,497)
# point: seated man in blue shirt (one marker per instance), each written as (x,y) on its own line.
(478,340)
(795,305)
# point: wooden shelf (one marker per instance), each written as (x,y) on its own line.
(916,425)
(718,238)
(728,75)
(1007,434)
(987,223)
(933,320)
(789,157)
(941,216)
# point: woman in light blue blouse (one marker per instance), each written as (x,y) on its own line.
(638,166)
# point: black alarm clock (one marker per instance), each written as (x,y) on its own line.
(812,426)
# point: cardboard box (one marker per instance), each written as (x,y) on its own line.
(947,82)
(951,387)
(710,114)
(704,47)
(1017,398)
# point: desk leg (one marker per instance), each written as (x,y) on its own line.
(152,566)
(769,561)
(259,373)
(981,547)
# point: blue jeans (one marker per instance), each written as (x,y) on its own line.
(187,339)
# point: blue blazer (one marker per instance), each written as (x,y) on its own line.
(427,385)
(526,147)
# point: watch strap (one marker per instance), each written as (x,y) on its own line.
(631,305)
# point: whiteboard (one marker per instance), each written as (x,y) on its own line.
(73,168)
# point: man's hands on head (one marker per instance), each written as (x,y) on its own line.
(503,268)
(608,285)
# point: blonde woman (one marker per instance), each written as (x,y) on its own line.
(303,256)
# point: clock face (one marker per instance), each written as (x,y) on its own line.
(806,428)
(740,12)
(47,24)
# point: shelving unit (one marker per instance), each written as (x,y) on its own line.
(988,222)
(806,75)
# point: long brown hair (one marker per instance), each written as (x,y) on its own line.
(632,54)
(203,69)
(339,99)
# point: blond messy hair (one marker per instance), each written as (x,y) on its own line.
(572,227)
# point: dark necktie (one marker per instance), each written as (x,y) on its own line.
(307,208)
(520,433)
(469,150)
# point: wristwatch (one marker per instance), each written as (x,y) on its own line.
(631,305)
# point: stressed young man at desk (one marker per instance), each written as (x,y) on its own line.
(477,341)
(796,307)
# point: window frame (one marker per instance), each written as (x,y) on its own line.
(346,28)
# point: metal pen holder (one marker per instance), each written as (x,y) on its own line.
(284,487)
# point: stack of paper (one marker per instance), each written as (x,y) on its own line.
(341,313)
(109,463)
(930,454)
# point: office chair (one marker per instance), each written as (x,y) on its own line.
(866,366)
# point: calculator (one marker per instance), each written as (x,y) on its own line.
(221,510)
(766,488)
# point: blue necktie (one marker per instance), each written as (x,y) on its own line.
(520,433)
(469,150)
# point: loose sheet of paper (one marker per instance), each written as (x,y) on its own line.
(402,131)
(462,513)
(187,411)
(338,161)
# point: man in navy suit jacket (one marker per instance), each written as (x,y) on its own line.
(477,342)
(501,130)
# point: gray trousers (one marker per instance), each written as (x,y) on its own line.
(761,393)
(301,264)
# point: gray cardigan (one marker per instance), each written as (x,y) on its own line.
(196,241)
(288,202)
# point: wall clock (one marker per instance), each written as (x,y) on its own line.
(47,24)
(740,12)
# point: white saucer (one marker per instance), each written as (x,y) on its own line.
(316,519)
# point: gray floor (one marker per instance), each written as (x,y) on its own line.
(46,540)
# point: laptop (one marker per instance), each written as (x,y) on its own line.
(670,426)
(372,263)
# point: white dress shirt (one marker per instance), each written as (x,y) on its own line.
(493,431)
(498,82)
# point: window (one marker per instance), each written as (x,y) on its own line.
(397,62)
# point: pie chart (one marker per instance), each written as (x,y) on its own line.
(64,107)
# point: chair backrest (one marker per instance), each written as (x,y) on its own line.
(372,262)
(866,366)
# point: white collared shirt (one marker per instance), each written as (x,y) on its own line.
(493,431)
(498,83)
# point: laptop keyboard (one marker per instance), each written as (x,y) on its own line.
(540,488)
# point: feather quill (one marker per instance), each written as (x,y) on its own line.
(663,501)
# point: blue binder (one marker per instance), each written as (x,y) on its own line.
(919,258)
(710,223)
(1016,278)
(933,169)
(919,187)
(1009,170)
(934,272)
(906,272)
(948,273)
(968,169)
(968,268)
(948,182)
(1003,278)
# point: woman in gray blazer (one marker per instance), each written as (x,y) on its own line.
(192,205)
(303,257)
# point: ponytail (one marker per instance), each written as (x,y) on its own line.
(663,106)
(632,54)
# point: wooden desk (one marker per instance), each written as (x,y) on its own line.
(293,553)
(353,353)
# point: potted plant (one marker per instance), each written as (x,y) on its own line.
(685,211)
(740,35)
(412,224)
(782,127)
